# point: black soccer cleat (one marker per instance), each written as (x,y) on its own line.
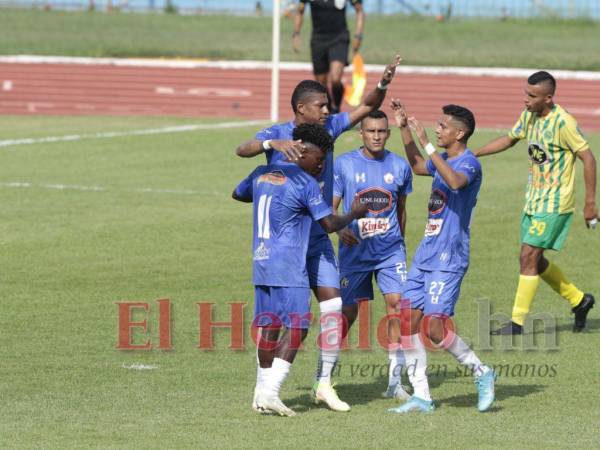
(581,311)
(508,329)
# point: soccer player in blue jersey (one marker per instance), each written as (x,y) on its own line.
(310,105)
(374,245)
(286,200)
(442,258)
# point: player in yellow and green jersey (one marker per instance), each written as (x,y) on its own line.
(554,141)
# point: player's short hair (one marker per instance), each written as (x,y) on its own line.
(462,115)
(315,134)
(376,114)
(542,77)
(304,89)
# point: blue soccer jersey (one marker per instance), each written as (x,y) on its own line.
(378,182)
(286,200)
(335,125)
(445,246)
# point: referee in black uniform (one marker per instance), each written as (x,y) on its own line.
(329,41)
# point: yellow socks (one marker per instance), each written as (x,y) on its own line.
(528,284)
(557,281)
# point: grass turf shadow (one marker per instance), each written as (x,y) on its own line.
(503,392)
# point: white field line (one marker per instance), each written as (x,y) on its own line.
(83,188)
(293,66)
(138,366)
(143,132)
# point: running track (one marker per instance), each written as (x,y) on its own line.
(90,89)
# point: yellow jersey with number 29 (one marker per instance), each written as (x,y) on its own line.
(553,142)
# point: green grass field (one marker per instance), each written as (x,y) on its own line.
(545,43)
(69,254)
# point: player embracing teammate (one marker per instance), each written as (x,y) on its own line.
(310,106)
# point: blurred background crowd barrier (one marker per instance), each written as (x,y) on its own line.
(568,9)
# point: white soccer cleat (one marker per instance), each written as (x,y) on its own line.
(257,408)
(269,403)
(396,391)
(324,392)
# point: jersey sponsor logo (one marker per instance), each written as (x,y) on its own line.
(537,154)
(378,200)
(433,227)
(277,178)
(372,226)
(360,177)
(437,202)
(388,178)
(261,253)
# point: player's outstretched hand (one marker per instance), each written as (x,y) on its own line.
(590,214)
(419,129)
(399,113)
(347,237)
(291,149)
(359,209)
(390,71)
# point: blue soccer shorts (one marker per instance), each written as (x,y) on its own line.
(433,292)
(276,306)
(358,286)
(321,263)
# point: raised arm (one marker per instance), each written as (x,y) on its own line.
(360,25)
(496,146)
(298,19)
(375,98)
(291,149)
(413,155)
(455,180)
(590,211)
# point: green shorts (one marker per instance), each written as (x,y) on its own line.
(547,231)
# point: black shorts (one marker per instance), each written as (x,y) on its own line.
(325,49)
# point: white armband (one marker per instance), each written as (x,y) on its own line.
(382,87)
(430,149)
(267,144)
